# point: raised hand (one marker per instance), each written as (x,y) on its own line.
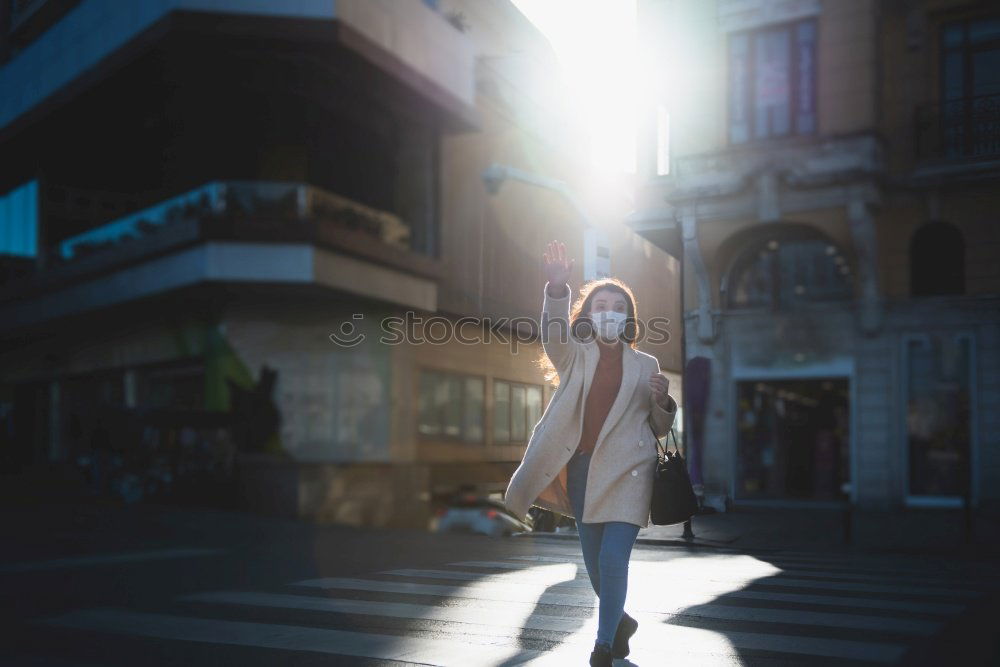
(557,267)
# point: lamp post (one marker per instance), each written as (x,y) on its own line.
(688,533)
(651,220)
(596,251)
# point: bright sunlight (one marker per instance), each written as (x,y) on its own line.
(595,41)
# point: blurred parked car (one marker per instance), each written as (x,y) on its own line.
(545,521)
(470,513)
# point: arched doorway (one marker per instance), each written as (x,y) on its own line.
(784,269)
(787,293)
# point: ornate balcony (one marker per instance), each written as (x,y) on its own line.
(966,128)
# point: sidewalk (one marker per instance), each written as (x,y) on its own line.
(929,531)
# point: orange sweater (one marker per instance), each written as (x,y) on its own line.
(602,393)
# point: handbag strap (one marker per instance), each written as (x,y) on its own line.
(664,447)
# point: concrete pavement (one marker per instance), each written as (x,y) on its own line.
(89,585)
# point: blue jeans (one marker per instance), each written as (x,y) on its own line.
(606,547)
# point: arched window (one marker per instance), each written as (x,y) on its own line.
(779,273)
(937,260)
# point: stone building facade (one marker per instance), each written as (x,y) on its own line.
(831,180)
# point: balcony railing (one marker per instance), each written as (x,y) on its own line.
(224,202)
(963,128)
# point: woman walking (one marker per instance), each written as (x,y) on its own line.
(591,455)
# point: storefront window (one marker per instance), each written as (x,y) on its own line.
(793,439)
(939,374)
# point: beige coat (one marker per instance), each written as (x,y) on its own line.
(620,480)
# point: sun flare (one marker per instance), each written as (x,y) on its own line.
(596,44)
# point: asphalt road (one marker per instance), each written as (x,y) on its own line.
(89,585)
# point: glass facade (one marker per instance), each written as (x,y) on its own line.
(451,406)
(938,416)
(19,220)
(516,409)
(793,439)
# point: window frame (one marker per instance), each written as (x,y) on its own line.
(966,50)
(794,88)
(441,416)
(778,301)
(528,425)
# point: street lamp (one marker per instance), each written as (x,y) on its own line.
(596,250)
(666,226)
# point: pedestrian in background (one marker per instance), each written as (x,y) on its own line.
(591,455)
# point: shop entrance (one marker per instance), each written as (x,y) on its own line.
(793,439)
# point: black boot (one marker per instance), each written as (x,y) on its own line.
(600,657)
(626,628)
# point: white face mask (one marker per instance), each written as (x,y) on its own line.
(609,324)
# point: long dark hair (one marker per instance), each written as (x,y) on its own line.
(581,326)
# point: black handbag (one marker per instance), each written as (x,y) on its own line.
(673,497)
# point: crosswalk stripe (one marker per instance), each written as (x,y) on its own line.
(771,580)
(777,564)
(950,579)
(580,629)
(933,608)
(106,559)
(636,565)
(864,588)
(526,578)
(697,646)
(941,608)
(473,591)
(428,651)
(933,571)
(682,643)
(846,576)
(517,617)
(671,605)
(682,566)
(854,558)
(936,569)
(641,600)
(482,608)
